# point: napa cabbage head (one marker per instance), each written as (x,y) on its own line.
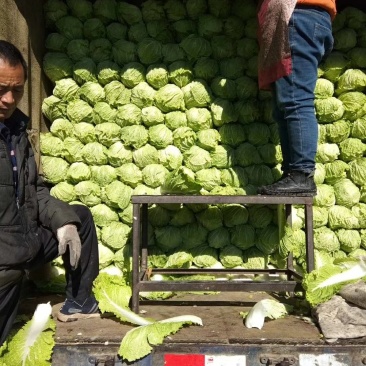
(354,104)
(180,73)
(169,98)
(323,283)
(329,109)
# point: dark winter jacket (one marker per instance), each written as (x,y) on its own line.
(20,216)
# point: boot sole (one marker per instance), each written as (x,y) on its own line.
(289,194)
(74,317)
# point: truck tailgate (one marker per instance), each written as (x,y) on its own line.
(223,340)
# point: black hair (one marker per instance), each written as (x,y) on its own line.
(11,54)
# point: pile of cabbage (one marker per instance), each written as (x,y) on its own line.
(163,98)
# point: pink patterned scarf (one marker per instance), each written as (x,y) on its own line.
(274,59)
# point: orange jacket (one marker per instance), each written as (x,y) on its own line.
(329,5)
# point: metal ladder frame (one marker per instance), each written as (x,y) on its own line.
(141,273)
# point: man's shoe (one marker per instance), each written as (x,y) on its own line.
(71,310)
(295,183)
(260,189)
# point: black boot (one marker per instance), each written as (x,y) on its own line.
(295,183)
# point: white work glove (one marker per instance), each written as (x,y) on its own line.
(68,236)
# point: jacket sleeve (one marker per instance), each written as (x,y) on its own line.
(32,190)
(48,210)
(53,212)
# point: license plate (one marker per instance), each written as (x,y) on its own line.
(203,360)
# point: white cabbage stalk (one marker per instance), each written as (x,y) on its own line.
(184,319)
(159,277)
(256,316)
(126,313)
(262,309)
(38,324)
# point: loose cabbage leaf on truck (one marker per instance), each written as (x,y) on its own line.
(113,295)
(323,283)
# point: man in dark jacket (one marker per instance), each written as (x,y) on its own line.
(35,227)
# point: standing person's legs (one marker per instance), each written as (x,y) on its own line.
(10,287)
(310,35)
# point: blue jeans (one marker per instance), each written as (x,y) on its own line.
(311,39)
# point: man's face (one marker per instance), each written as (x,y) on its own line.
(11,88)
